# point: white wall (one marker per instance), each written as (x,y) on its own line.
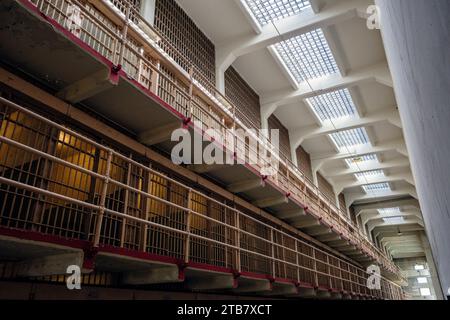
(416,34)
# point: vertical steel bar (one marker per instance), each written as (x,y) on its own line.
(316,277)
(190,106)
(226,234)
(273,252)
(330,276)
(187,247)
(238,241)
(101,213)
(145,204)
(45,176)
(125,205)
(155,78)
(297,261)
(123,38)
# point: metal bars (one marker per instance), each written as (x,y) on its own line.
(132,198)
(145,61)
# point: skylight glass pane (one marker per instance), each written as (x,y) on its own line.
(350,138)
(307,56)
(333,105)
(389,211)
(377,187)
(394,220)
(266,11)
(358,160)
(369,174)
(419,267)
(422,280)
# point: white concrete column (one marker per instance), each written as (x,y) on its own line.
(220,80)
(336,199)
(432,267)
(294,156)
(416,35)
(148,10)
(314,176)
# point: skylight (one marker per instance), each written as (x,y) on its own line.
(389,211)
(350,138)
(266,11)
(354,161)
(419,267)
(377,187)
(333,105)
(307,56)
(369,174)
(422,280)
(394,220)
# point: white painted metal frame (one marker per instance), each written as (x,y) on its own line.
(266,11)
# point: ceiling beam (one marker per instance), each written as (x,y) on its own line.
(367,166)
(369,180)
(375,73)
(373,225)
(338,11)
(317,160)
(298,136)
(367,217)
(350,198)
(403,203)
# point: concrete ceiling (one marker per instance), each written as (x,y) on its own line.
(360,55)
(262,80)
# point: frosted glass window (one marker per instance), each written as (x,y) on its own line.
(369,174)
(266,11)
(350,138)
(378,187)
(333,105)
(307,56)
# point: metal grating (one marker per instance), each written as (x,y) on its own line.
(394,220)
(131,213)
(389,211)
(307,56)
(350,138)
(369,174)
(266,11)
(193,47)
(242,95)
(334,105)
(353,161)
(377,187)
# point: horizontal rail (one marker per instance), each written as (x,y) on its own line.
(23,136)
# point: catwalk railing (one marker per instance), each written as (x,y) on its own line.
(56,181)
(118,32)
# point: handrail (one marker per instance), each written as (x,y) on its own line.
(122,45)
(338,273)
